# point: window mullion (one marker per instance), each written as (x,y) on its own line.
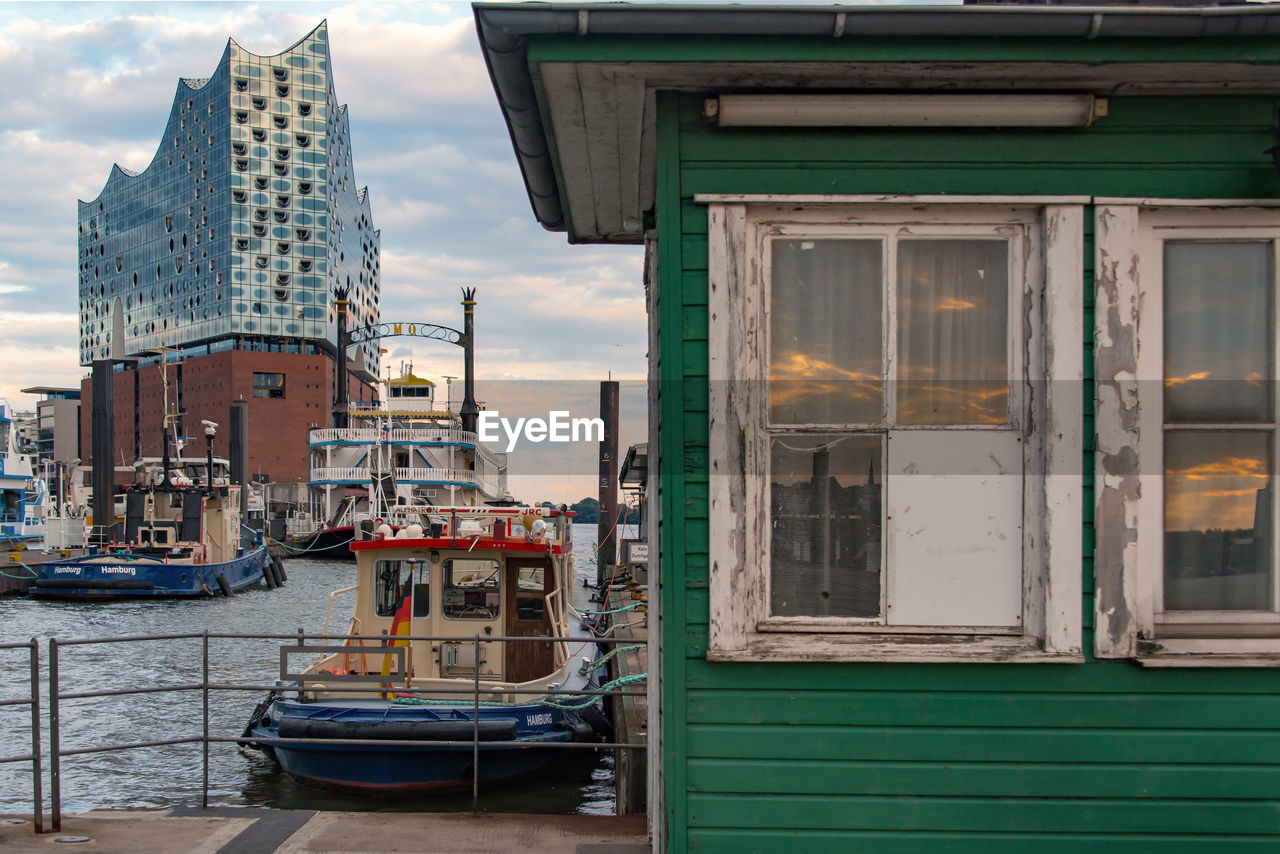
(890,334)
(891,361)
(1275,433)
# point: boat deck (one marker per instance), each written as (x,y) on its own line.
(240,830)
(15,578)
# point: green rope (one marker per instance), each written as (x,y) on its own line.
(620,682)
(297,550)
(604,659)
(34,574)
(630,607)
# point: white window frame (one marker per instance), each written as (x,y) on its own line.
(1129,473)
(1052,523)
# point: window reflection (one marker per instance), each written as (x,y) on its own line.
(1218,538)
(825,361)
(1217,331)
(1218,368)
(953,298)
(825,494)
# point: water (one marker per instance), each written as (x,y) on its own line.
(171,775)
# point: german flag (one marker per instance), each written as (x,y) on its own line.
(399,629)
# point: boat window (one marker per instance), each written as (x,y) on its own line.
(529,602)
(394,579)
(421,588)
(471,589)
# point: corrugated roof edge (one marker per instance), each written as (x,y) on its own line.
(503,29)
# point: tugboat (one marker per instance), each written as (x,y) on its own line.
(180,538)
(435,642)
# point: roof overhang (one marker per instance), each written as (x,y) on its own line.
(584,130)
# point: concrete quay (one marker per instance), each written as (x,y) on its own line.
(245,830)
(630,714)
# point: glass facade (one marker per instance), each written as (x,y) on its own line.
(244,224)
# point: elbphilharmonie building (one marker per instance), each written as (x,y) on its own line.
(235,239)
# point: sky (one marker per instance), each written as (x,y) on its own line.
(86,85)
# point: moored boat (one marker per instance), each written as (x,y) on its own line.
(181,537)
(442,642)
(406,450)
(23,499)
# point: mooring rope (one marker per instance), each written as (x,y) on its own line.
(297,550)
(620,682)
(604,659)
(34,574)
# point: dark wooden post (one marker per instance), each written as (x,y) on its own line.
(103,425)
(607,553)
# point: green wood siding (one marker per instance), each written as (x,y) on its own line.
(1098,757)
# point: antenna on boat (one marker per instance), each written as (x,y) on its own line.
(170,419)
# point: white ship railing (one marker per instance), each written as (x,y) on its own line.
(339,474)
(362,474)
(399,436)
(436,475)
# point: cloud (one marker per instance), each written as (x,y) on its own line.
(86,86)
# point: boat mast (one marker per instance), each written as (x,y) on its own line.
(170,419)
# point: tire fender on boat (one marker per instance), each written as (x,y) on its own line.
(279,567)
(269,576)
(224,585)
(597,721)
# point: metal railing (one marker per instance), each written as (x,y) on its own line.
(33,700)
(376,684)
(398,436)
(421,475)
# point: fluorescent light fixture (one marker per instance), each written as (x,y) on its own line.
(905,110)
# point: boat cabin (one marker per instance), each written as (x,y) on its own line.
(190,521)
(483,573)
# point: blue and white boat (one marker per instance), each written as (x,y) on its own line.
(179,538)
(436,633)
(23,498)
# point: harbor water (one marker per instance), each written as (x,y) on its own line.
(171,775)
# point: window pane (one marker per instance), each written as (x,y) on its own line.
(1217,331)
(825,358)
(393,586)
(1217,521)
(953,298)
(529,593)
(826,517)
(422,588)
(471,589)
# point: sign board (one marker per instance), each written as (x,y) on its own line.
(637,552)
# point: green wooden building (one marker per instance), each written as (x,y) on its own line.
(963,423)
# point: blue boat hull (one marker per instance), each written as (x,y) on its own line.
(132,576)
(375,768)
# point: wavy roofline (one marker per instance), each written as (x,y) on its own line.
(323,25)
(193,84)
